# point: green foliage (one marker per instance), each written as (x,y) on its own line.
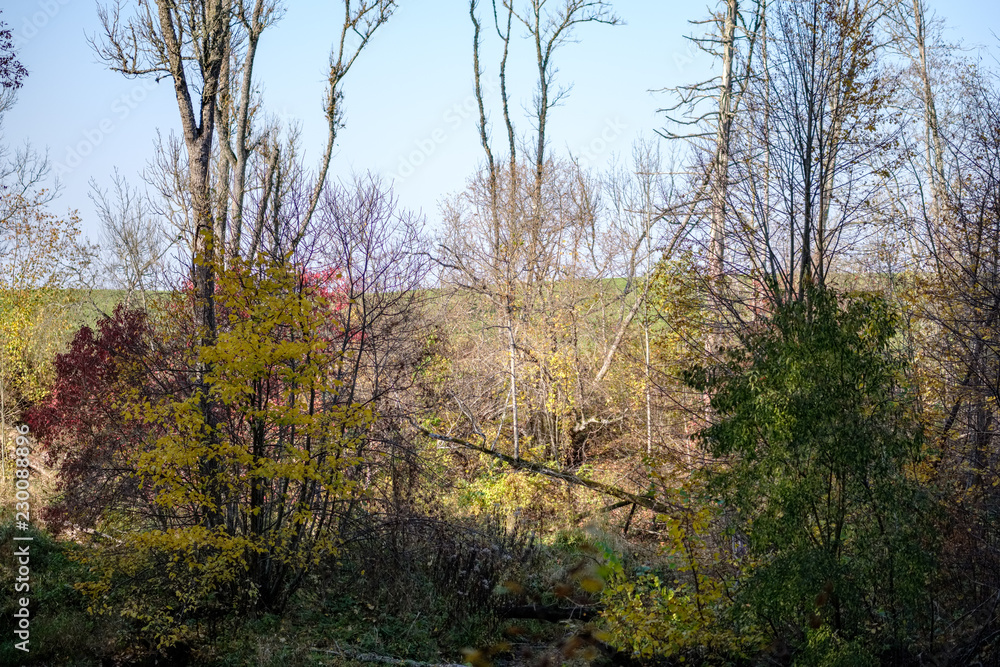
(814,432)
(826,648)
(61,630)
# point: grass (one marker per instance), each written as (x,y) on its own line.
(61,630)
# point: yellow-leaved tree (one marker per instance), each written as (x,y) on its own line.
(246,503)
(38,254)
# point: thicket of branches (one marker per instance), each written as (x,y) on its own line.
(758,353)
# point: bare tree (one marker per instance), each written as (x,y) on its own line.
(236,128)
(189,43)
(641,196)
(814,129)
(12,72)
(732,42)
(960,308)
(916,40)
(379,251)
(24,172)
(518,246)
(548,32)
(133,243)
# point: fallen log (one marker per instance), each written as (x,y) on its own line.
(647,501)
(552,613)
(360,656)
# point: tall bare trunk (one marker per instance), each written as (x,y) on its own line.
(720,166)
(935,150)
(3,423)
(512,349)
(649,398)
(198,130)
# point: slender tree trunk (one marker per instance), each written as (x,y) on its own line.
(542,111)
(204,289)
(719,187)
(512,349)
(242,151)
(649,403)
(227,160)
(3,421)
(935,149)
(198,133)
(720,170)
(832,144)
(720,167)
(765,213)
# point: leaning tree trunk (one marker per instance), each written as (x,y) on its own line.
(935,149)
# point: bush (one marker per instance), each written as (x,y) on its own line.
(814,432)
(442,578)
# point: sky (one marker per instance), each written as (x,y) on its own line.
(409,108)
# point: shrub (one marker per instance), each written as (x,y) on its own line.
(813,434)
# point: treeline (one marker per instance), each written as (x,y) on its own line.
(732,400)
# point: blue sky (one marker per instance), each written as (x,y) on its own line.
(408,102)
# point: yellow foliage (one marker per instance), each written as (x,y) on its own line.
(38,254)
(648,617)
(253,491)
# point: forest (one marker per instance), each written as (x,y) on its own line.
(732,400)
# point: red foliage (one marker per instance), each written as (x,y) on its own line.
(81,424)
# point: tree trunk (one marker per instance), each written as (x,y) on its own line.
(198,132)
(935,149)
(512,349)
(720,171)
